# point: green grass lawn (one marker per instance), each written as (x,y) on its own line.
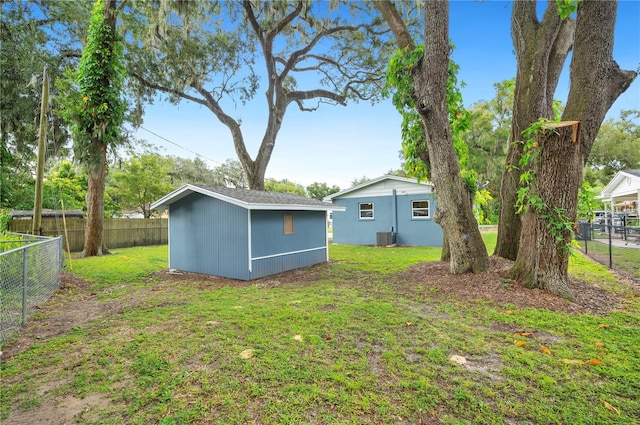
(624,259)
(329,351)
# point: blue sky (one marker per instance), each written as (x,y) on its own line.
(336,144)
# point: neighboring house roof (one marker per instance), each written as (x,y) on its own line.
(395,181)
(46,213)
(625,185)
(246,198)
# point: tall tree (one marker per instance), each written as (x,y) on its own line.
(209,52)
(96,113)
(616,148)
(33,34)
(64,182)
(140,181)
(430,81)
(555,159)
(488,141)
(541,49)
(321,190)
(284,186)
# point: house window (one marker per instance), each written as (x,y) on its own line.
(288,223)
(366,210)
(420,209)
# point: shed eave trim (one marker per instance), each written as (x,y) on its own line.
(294,207)
(188,189)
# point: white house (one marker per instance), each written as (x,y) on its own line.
(622,194)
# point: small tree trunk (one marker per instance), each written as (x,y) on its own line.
(94,237)
(543,254)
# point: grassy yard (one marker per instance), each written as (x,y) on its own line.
(624,259)
(342,348)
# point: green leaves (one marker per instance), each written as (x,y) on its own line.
(566,7)
(414,142)
(95,107)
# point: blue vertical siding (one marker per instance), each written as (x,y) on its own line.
(268,266)
(268,240)
(349,229)
(209,236)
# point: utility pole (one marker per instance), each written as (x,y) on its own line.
(44,109)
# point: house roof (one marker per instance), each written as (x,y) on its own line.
(246,198)
(378,180)
(625,185)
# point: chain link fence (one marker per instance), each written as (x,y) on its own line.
(615,246)
(30,269)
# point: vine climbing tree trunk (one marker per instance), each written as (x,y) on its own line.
(98,113)
(596,82)
(94,235)
(454,213)
(541,50)
(543,254)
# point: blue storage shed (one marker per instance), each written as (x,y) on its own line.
(387,210)
(243,234)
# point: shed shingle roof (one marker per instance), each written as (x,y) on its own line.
(246,198)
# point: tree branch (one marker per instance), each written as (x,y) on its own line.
(298,55)
(396,23)
(168,90)
(298,96)
(562,45)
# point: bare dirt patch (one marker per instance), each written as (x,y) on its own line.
(58,410)
(73,306)
(434,280)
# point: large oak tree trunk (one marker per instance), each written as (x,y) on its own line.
(454,212)
(541,50)
(466,250)
(596,82)
(543,254)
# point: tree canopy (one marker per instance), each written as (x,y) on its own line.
(222,54)
(617,147)
(140,181)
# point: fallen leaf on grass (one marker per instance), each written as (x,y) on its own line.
(595,362)
(545,350)
(520,343)
(572,361)
(408,323)
(157,288)
(610,407)
(246,354)
(297,337)
(603,326)
(523,334)
(600,344)
(509,311)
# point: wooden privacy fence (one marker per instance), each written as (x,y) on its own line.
(118,232)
